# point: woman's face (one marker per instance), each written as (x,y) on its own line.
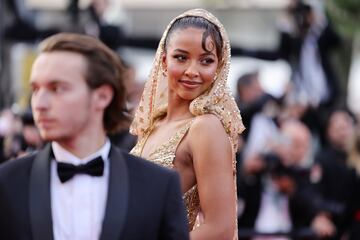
(190,69)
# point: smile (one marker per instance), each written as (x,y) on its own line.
(189,84)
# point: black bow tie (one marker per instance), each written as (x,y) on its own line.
(94,168)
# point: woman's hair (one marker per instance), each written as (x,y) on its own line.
(200,23)
(216,100)
(104,67)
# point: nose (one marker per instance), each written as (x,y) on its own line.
(40,100)
(192,71)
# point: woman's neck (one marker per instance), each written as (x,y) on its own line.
(178,111)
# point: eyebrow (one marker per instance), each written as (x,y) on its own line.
(203,54)
(180,50)
(51,82)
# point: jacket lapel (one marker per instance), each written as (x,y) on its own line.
(40,204)
(118,194)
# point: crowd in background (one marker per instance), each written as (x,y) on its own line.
(299,160)
(296,166)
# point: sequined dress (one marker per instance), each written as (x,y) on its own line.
(164,155)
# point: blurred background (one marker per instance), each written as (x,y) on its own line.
(295,75)
(133,27)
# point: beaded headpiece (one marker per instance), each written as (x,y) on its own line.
(216,100)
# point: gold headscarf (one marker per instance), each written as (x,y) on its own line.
(216,100)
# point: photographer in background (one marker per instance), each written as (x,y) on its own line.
(101,19)
(275,187)
(336,179)
(306,42)
(251,99)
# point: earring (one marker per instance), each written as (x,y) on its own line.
(164,71)
(215,77)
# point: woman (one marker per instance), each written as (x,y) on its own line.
(188,120)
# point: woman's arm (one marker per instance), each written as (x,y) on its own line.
(212,159)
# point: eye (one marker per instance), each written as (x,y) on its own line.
(180,57)
(207,61)
(57,88)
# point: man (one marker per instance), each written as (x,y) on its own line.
(252,99)
(278,197)
(308,48)
(77,98)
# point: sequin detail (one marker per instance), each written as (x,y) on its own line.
(217,100)
(164,156)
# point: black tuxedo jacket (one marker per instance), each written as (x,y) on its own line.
(144,200)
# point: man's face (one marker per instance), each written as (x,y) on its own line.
(251,93)
(340,129)
(62,103)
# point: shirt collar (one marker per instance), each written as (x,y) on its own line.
(62,155)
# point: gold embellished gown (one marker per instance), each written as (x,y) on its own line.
(164,155)
(217,100)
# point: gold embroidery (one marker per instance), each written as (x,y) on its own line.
(164,156)
(217,100)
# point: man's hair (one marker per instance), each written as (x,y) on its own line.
(104,67)
(247,79)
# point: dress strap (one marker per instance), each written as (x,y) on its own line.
(179,135)
(166,151)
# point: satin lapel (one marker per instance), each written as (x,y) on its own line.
(117,200)
(40,203)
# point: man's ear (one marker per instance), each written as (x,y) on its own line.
(103,96)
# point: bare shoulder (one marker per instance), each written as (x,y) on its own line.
(208,131)
(207,125)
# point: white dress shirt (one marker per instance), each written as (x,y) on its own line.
(311,70)
(263,133)
(78,205)
(274,215)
